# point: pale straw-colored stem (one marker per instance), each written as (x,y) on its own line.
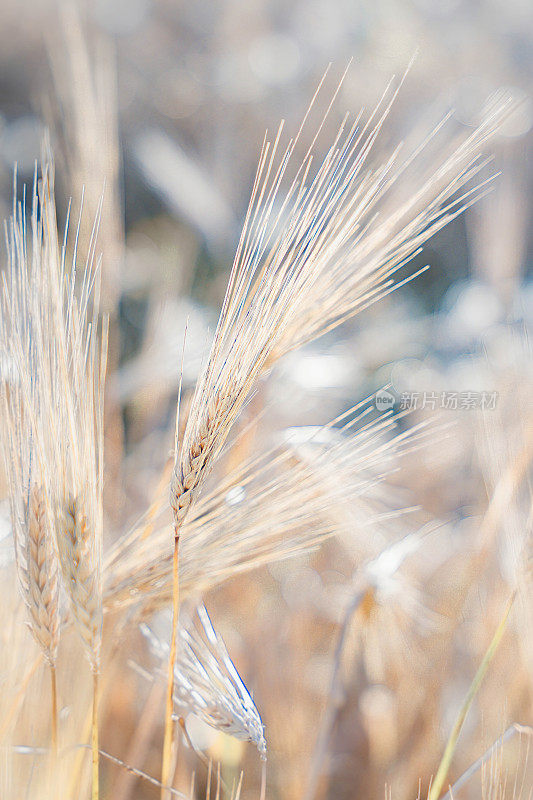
(94,739)
(53,688)
(52,764)
(169,707)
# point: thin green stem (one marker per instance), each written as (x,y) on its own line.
(444,766)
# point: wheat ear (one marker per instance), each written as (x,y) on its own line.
(324,247)
(80,574)
(38,576)
(43,587)
(82,577)
(74,347)
(208,684)
(35,552)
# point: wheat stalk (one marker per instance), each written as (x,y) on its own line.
(303,269)
(61,367)
(31,514)
(76,455)
(324,255)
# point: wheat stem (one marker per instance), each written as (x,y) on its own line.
(52,764)
(94,738)
(169,725)
(53,684)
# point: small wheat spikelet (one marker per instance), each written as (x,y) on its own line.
(207,683)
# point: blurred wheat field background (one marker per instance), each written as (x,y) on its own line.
(266,398)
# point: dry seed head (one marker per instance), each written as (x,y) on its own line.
(207,428)
(38,573)
(314,253)
(81,572)
(196,456)
(31,514)
(73,435)
(207,683)
(43,585)
(52,334)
